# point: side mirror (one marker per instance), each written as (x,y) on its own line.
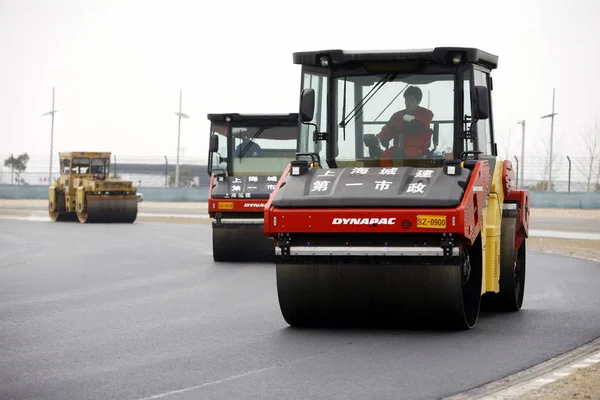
(307,105)
(213,146)
(481,102)
(216,160)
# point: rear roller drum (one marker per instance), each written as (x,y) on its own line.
(106,209)
(242,244)
(512,272)
(446,296)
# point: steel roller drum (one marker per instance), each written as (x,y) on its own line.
(399,295)
(242,243)
(109,209)
(56,216)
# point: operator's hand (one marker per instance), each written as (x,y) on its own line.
(408,118)
(385,142)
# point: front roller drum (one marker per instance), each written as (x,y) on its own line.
(107,209)
(56,216)
(240,242)
(405,293)
(56,209)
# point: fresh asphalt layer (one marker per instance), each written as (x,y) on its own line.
(141,311)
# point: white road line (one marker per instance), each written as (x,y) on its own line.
(188,389)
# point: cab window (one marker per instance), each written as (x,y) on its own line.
(65,166)
(100,165)
(80,165)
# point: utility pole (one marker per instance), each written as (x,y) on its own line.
(166,170)
(551,141)
(522,169)
(51,112)
(180,115)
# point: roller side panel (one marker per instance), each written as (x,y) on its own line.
(493,227)
(520,199)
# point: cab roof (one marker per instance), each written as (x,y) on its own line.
(255,119)
(69,154)
(280,126)
(439,55)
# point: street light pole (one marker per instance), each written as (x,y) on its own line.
(180,115)
(551,141)
(522,170)
(51,112)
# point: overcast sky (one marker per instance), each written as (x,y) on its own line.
(118,65)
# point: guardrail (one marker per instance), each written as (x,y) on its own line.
(582,200)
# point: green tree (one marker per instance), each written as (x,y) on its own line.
(590,167)
(17,165)
(541,186)
(186,177)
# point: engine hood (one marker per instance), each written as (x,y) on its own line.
(374,187)
(103,184)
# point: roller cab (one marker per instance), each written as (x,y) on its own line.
(247,154)
(85,192)
(396,209)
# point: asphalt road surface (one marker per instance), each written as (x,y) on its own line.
(142,312)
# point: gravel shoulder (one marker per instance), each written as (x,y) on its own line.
(582,384)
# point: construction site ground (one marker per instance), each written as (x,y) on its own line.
(581,383)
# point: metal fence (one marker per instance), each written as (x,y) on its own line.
(569,174)
(144,171)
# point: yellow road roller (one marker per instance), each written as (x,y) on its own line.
(85,190)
